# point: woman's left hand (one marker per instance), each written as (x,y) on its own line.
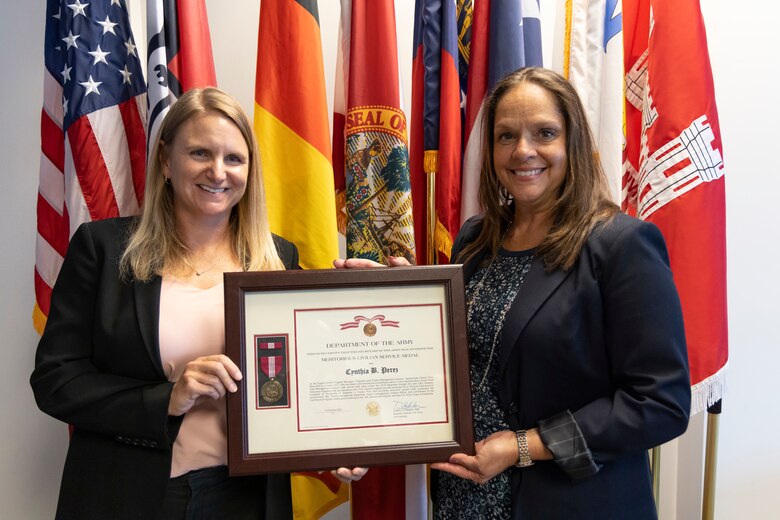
(348,475)
(354,263)
(494,454)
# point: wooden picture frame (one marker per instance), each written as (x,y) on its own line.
(347,367)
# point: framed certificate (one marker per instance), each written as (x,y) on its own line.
(347,367)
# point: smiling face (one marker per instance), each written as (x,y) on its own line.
(208,165)
(529,147)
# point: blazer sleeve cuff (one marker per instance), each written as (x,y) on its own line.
(563,437)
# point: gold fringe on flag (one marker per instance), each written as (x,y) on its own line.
(39,319)
(443,239)
(341,211)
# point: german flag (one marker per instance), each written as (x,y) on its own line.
(291,122)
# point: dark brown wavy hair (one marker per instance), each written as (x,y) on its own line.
(584,198)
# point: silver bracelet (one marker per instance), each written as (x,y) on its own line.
(523,454)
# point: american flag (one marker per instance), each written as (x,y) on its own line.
(93,138)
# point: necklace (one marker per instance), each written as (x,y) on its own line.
(198,273)
(202,271)
(501,317)
(470,313)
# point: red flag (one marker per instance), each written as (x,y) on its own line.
(435,148)
(93,142)
(179,56)
(673,171)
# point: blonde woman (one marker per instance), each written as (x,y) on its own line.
(133,352)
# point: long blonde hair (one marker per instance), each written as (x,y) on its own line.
(155,242)
(584,198)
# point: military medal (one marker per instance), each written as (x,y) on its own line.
(272,390)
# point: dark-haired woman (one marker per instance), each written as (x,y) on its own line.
(578,357)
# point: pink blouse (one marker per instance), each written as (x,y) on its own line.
(192,325)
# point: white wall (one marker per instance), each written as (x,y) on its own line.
(743,43)
(33,446)
(743,47)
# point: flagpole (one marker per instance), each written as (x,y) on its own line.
(431,166)
(711,461)
(655,457)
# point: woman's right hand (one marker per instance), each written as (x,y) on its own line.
(494,454)
(208,377)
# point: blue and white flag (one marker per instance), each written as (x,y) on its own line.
(504,37)
(588,51)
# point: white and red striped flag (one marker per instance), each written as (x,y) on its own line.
(673,171)
(93,139)
(180,56)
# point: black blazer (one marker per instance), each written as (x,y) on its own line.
(604,340)
(98,368)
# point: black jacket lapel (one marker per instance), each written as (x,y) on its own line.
(147,305)
(538,285)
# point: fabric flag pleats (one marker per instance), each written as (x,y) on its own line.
(291,122)
(179,55)
(588,51)
(93,138)
(504,37)
(435,146)
(315,493)
(674,171)
(373,134)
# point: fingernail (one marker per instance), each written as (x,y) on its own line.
(237,375)
(233,388)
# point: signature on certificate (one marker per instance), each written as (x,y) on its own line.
(407,406)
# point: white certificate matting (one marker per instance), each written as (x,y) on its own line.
(370,372)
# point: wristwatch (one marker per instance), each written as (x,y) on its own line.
(523,454)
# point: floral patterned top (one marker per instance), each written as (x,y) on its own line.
(489,294)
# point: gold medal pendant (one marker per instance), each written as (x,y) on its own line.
(369,329)
(271,391)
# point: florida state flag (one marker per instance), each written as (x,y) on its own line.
(673,170)
(371,137)
(371,165)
